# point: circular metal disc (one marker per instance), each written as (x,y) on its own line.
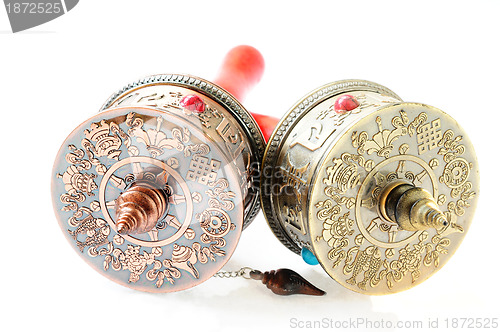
(198,233)
(353,242)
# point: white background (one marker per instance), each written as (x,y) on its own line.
(57,75)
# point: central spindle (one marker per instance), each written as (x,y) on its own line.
(140,207)
(412,208)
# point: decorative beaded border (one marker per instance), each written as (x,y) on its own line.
(292,118)
(219,95)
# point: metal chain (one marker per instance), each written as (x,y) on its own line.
(244,272)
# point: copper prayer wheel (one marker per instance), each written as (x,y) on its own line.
(154,191)
(379,191)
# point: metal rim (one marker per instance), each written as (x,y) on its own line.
(290,119)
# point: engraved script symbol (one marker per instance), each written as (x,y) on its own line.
(311,139)
(225,131)
(293,217)
(293,176)
(230,135)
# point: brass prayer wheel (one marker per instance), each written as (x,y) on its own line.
(379,191)
(154,191)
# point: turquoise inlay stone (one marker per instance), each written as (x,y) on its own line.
(308,256)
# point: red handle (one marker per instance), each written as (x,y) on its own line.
(243,68)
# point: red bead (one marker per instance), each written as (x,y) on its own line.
(345,103)
(193,103)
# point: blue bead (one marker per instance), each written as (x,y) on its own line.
(308,256)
